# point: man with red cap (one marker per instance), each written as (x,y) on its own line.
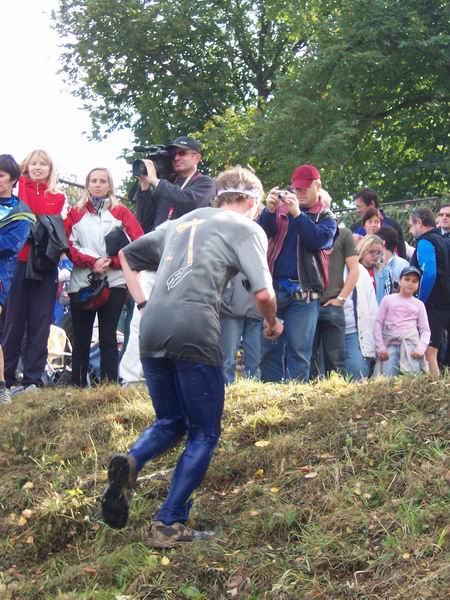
(301,231)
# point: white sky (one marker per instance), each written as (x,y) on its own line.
(37,108)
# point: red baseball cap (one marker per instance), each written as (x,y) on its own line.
(304,175)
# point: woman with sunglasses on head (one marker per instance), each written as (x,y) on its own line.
(97,228)
(370,250)
(29,309)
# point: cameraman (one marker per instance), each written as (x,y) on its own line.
(157,201)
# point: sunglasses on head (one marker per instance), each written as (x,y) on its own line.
(417,212)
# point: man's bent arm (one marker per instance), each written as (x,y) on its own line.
(267,305)
(268,221)
(426,257)
(352,264)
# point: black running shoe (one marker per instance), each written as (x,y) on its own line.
(121,476)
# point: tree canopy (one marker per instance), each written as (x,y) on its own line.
(358,87)
(163,67)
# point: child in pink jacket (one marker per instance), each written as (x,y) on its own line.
(402,332)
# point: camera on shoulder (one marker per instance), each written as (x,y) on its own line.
(161,158)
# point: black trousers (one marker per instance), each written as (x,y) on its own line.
(83,323)
(28,314)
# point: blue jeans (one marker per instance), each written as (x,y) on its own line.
(232,330)
(329,342)
(356,365)
(391,366)
(289,357)
(188,398)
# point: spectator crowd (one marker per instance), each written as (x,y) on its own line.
(358,301)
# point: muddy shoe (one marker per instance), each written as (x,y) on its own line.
(168,536)
(121,479)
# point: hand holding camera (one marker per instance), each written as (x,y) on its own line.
(277,197)
(157,165)
(147,175)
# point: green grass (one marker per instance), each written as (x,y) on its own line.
(373,524)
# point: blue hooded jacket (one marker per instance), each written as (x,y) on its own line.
(15,222)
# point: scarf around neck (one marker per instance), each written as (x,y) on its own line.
(98,202)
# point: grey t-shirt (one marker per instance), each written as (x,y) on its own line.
(343,248)
(198,254)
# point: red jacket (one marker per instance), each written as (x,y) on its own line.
(40,202)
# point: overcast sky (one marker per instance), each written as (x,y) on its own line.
(38,110)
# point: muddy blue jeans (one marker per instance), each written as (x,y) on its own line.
(188,398)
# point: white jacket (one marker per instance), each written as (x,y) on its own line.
(86,231)
(366,311)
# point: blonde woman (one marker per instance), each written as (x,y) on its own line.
(370,251)
(29,308)
(89,227)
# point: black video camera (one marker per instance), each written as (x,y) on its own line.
(161,158)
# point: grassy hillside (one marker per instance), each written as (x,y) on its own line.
(332,490)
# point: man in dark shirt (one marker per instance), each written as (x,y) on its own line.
(432,258)
(159,200)
(444,229)
(329,340)
(444,220)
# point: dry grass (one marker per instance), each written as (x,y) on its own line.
(373,524)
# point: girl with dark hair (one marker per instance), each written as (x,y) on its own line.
(15,222)
(371,221)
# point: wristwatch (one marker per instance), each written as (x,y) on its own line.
(341,299)
(141,305)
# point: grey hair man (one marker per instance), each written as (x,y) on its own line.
(432,258)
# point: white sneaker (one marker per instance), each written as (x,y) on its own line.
(5,395)
(21,389)
(31,388)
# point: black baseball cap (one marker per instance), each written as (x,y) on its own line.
(185,142)
(410,271)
